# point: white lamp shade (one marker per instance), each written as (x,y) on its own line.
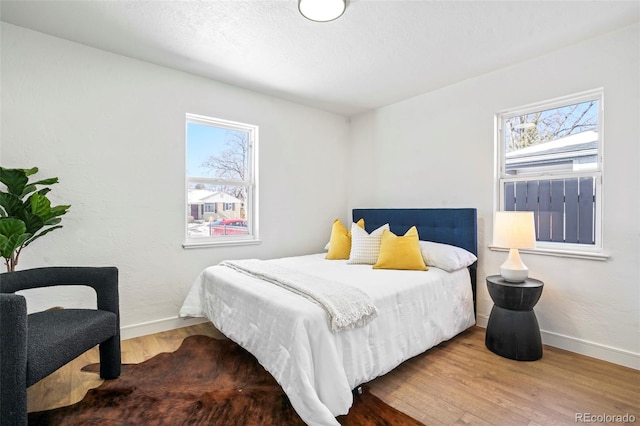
(322,10)
(514,230)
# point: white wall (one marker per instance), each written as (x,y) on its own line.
(437,150)
(112,129)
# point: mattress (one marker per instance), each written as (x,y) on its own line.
(289,335)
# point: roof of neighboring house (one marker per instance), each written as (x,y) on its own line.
(578,142)
(201,196)
(581,146)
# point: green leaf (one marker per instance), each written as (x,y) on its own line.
(49,181)
(40,205)
(4,242)
(59,210)
(12,235)
(7,247)
(53,221)
(33,222)
(11,226)
(11,204)
(27,190)
(31,171)
(14,179)
(12,244)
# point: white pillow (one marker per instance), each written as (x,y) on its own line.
(445,256)
(365,247)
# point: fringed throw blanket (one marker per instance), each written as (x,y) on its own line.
(346,306)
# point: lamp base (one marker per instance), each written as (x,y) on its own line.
(513,269)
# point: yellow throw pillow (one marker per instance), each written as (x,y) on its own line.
(340,241)
(400,252)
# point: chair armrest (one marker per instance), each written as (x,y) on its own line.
(13,328)
(104,280)
(13,354)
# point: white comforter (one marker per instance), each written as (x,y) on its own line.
(289,336)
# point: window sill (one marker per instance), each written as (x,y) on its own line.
(559,253)
(208,244)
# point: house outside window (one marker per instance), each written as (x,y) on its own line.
(550,162)
(221,182)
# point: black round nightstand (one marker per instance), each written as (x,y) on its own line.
(512,330)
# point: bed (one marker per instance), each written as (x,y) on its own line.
(318,367)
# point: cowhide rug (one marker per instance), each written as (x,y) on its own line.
(205,382)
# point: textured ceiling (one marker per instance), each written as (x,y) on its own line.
(377,53)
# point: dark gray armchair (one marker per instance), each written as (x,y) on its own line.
(34,346)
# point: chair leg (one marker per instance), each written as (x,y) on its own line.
(110,359)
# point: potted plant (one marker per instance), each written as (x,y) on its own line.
(26,213)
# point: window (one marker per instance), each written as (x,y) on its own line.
(550,162)
(221,182)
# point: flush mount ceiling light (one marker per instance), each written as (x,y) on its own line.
(322,10)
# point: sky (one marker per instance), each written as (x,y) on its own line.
(203,141)
(580,112)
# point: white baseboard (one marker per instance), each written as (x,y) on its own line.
(582,347)
(482,320)
(158,326)
(572,344)
(594,350)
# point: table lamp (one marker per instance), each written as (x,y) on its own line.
(514,230)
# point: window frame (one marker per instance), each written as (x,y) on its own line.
(251,183)
(592,251)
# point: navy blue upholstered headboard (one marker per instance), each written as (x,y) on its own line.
(457,227)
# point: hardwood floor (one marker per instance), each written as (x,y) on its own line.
(458,382)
